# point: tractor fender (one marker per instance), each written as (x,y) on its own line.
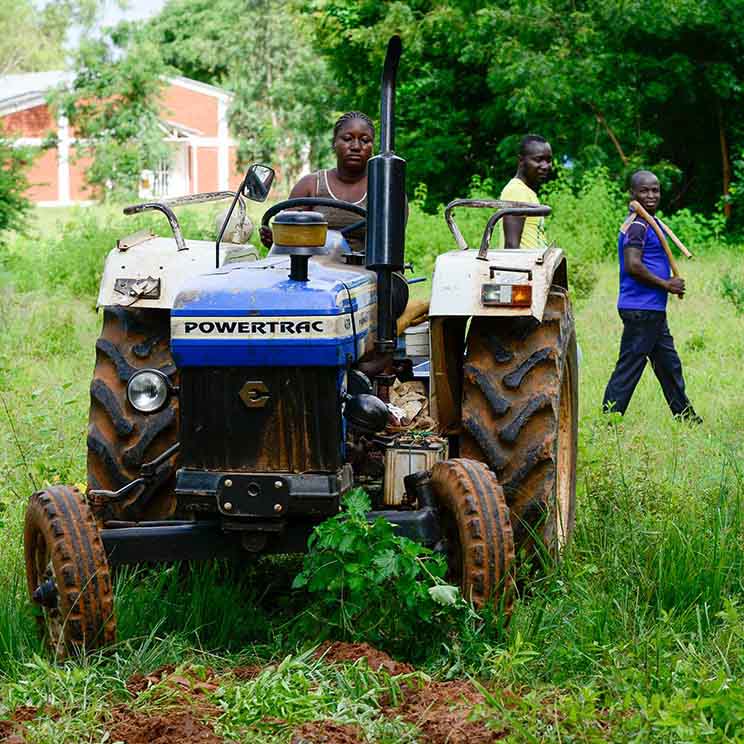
(459,277)
(145,271)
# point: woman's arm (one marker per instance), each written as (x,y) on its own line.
(306,186)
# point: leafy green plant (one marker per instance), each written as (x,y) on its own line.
(732,289)
(14,162)
(696,342)
(368,584)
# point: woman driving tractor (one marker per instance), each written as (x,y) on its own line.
(353,140)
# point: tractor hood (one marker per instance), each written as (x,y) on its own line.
(253,314)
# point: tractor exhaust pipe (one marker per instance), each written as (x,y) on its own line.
(386,205)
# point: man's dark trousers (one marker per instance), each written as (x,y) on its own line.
(646,336)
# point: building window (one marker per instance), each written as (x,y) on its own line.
(160,179)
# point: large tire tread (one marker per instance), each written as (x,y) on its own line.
(121,439)
(513,381)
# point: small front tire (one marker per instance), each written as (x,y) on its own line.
(477,531)
(67,572)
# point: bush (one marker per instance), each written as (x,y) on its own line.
(368,584)
(698,232)
(587,214)
(72,255)
(14,162)
(732,289)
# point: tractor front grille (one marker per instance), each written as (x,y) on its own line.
(298,428)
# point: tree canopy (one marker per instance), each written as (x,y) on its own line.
(620,83)
(262,52)
(113,105)
(32,34)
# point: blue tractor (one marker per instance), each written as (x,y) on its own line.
(235,400)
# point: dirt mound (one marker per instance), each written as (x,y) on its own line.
(185,681)
(336,652)
(180,727)
(8,733)
(138,683)
(326,732)
(246,673)
(24,713)
(441,711)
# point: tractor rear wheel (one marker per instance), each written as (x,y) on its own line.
(121,439)
(476,530)
(67,572)
(520,416)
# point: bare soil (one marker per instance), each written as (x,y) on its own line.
(24,713)
(442,710)
(246,673)
(178,727)
(139,683)
(326,732)
(9,733)
(337,652)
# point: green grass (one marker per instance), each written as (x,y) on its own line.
(637,636)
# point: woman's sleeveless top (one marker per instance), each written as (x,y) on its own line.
(340,218)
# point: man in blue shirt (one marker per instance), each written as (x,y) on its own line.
(645,283)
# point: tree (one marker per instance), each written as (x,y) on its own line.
(261,51)
(14,162)
(113,106)
(32,37)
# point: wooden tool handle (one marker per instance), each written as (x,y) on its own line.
(641,212)
(675,239)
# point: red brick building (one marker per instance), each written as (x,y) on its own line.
(194,124)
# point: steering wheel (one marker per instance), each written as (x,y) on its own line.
(318,201)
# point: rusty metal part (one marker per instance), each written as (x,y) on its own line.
(520,416)
(476,530)
(124,244)
(67,572)
(121,440)
(136,289)
(385,383)
(447,351)
(255,394)
(166,207)
(505,208)
(298,430)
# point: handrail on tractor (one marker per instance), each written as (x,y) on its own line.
(166,206)
(505,208)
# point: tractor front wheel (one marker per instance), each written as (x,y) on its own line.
(67,572)
(476,530)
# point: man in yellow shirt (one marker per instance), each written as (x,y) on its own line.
(533,168)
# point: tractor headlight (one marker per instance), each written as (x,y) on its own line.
(147,390)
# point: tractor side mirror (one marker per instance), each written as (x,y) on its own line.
(257,183)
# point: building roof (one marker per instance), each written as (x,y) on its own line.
(18,92)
